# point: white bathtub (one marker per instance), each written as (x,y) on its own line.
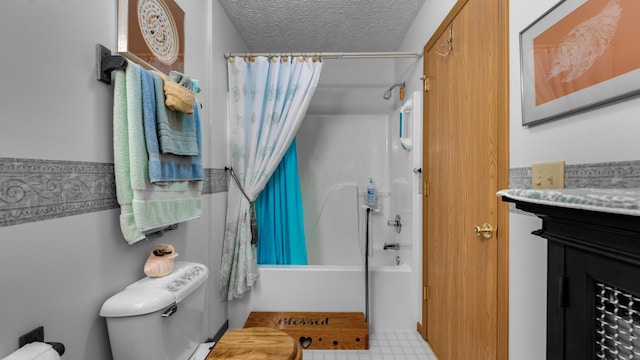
(332,288)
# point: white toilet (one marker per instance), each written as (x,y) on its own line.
(159,318)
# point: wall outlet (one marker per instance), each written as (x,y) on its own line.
(34,335)
(548,175)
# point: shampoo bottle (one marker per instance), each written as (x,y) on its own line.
(371,193)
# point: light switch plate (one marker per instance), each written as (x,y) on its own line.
(548,175)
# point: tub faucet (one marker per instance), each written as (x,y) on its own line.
(391,246)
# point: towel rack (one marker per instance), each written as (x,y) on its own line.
(106,63)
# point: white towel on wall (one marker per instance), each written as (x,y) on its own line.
(34,351)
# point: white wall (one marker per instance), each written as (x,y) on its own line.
(343,140)
(353,86)
(58,272)
(219,36)
(406,194)
(427,21)
(606,134)
(601,135)
(337,154)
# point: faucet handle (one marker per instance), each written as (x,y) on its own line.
(397,223)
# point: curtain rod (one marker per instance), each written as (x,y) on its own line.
(332,55)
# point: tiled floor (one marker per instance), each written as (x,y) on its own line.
(383,345)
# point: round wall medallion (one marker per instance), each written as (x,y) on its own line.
(159,30)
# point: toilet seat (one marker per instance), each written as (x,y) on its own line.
(256,343)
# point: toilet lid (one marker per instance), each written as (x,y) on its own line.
(256,343)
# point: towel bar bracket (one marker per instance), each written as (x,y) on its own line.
(106,63)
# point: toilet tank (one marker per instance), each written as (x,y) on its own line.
(158,318)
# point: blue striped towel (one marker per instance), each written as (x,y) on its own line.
(164,168)
(176,130)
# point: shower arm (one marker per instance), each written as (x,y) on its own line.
(402,84)
(387,94)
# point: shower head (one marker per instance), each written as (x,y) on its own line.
(387,94)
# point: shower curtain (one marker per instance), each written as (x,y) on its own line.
(268,98)
(280,215)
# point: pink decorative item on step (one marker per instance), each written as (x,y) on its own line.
(160,261)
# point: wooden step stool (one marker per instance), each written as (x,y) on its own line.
(317,330)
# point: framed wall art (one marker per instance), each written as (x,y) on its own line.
(151,33)
(579,55)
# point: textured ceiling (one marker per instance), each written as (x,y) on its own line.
(322,25)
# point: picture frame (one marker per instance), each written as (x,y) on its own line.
(151,34)
(579,55)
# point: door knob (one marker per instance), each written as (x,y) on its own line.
(486,230)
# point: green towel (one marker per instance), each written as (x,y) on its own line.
(144,207)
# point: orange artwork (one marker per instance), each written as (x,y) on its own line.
(594,43)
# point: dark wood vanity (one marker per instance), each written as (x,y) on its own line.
(593,279)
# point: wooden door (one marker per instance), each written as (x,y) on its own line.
(466,132)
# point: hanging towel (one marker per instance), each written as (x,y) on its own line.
(122,168)
(144,206)
(179,93)
(182,79)
(164,168)
(179,98)
(176,130)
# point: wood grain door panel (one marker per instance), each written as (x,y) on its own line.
(462,148)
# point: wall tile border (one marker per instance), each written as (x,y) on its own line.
(36,190)
(605,175)
(215,181)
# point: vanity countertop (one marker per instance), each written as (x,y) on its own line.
(615,201)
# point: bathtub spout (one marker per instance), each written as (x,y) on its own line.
(391,246)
